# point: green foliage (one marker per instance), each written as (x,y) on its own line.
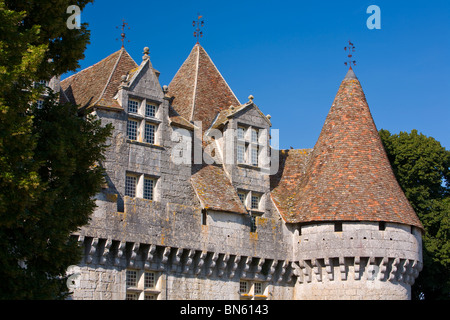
(49,156)
(422,168)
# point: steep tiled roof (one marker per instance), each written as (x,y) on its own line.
(199,90)
(284,185)
(98,84)
(214,190)
(348,176)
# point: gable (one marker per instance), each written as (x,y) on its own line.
(145,82)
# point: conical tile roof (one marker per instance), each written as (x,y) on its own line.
(199,90)
(348,176)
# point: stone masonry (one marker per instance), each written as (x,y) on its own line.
(197,204)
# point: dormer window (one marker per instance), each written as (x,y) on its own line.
(248,147)
(143,122)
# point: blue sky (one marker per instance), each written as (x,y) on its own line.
(290,55)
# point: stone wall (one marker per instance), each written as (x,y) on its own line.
(357,260)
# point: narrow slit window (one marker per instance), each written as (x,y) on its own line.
(252,224)
(204,217)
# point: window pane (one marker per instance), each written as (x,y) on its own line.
(242,197)
(243,287)
(148,188)
(149,280)
(132,296)
(255,202)
(132,130)
(133,106)
(240,133)
(130,186)
(131,278)
(258,288)
(254,155)
(240,153)
(150,110)
(254,135)
(149,133)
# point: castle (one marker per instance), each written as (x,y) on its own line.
(198,204)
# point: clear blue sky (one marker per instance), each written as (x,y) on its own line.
(290,55)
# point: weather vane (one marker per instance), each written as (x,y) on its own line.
(197,25)
(350,48)
(122,35)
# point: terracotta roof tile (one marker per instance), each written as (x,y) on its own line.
(214,190)
(98,84)
(199,90)
(285,184)
(348,176)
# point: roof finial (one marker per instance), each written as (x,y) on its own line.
(350,48)
(146,53)
(198,24)
(122,35)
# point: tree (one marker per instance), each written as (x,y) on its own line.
(421,166)
(49,156)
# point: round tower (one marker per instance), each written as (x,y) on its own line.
(357,236)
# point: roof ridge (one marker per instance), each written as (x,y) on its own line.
(110,76)
(194,93)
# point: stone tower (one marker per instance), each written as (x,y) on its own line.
(358,236)
(328,223)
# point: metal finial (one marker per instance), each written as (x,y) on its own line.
(197,25)
(350,49)
(122,35)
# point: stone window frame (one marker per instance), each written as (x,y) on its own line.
(140,291)
(131,186)
(248,196)
(143,119)
(140,191)
(245,137)
(252,288)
